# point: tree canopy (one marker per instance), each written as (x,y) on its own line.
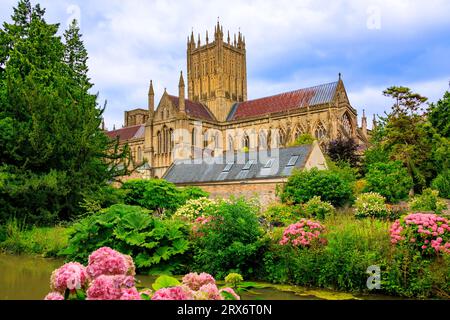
(52,147)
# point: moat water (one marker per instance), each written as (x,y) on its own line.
(28,278)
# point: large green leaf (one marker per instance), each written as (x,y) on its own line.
(165,282)
(137,220)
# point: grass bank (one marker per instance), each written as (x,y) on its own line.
(46,242)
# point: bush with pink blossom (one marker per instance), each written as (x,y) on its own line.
(424,232)
(110,276)
(303,234)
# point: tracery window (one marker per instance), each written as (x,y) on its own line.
(320,132)
(346,124)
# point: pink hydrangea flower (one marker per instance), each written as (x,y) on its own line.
(232,292)
(54,296)
(106,261)
(302,233)
(70,276)
(173,293)
(110,287)
(195,281)
(208,292)
(130,294)
(426,232)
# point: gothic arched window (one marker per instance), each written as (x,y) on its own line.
(194,137)
(171,140)
(205,140)
(347,124)
(159,151)
(230,143)
(320,132)
(217,141)
(298,132)
(139,154)
(246,141)
(262,139)
(281,138)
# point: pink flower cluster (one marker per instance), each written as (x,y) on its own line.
(106,261)
(199,223)
(195,281)
(173,293)
(109,276)
(429,233)
(195,287)
(302,233)
(117,287)
(54,296)
(70,276)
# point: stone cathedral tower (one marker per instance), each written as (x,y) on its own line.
(217,72)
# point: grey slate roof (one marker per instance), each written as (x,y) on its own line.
(188,172)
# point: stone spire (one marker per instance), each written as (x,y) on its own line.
(181,95)
(364,123)
(151,100)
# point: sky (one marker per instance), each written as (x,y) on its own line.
(290,45)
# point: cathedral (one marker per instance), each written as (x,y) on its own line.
(217,117)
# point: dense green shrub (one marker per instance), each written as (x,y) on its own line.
(316,208)
(442,184)
(231,241)
(408,274)
(329,185)
(103,198)
(189,193)
(390,179)
(279,214)
(371,204)
(428,201)
(156,245)
(302,140)
(160,196)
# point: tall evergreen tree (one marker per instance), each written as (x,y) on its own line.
(75,54)
(52,148)
(439,115)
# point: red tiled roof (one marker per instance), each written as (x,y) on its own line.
(284,102)
(127,133)
(194,109)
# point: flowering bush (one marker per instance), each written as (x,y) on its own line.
(428,201)
(278,214)
(371,204)
(318,209)
(110,276)
(199,223)
(427,233)
(303,233)
(195,208)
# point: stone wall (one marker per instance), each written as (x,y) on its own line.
(264,191)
